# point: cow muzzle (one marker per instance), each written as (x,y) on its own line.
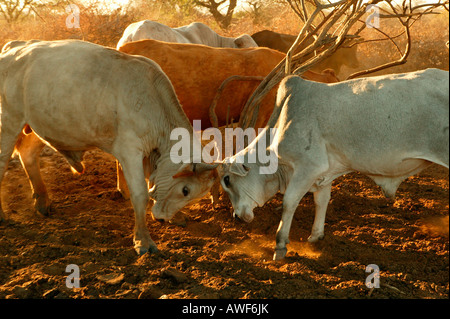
(245,215)
(159,215)
(159,219)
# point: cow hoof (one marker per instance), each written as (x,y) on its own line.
(116,195)
(153,249)
(2,217)
(142,250)
(42,204)
(315,238)
(44,211)
(125,194)
(280,253)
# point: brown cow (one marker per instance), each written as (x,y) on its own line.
(283,42)
(197,71)
(274,40)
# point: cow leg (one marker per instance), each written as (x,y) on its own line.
(295,191)
(148,170)
(9,133)
(29,147)
(74,159)
(215,192)
(321,199)
(133,169)
(122,186)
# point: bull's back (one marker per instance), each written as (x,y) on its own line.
(101,86)
(365,119)
(197,33)
(148,29)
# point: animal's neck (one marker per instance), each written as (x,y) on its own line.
(177,118)
(225,42)
(174,117)
(167,139)
(262,154)
(272,184)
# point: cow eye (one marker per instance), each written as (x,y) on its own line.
(226,181)
(185,191)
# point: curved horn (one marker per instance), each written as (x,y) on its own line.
(204,167)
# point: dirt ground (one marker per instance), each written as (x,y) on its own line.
(207,254)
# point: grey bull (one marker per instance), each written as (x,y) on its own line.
(75,96)
(388,128)
(196,33)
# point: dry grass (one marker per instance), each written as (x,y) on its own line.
(429,36)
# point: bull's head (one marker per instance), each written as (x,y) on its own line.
(246,188)
(186,185)
(245,41)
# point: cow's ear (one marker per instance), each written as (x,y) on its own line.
(239,42)
(204,167)
(186,170)
(239,169)
(207,171)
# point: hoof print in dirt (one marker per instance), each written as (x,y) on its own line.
(112,278)
(150,293)
(176,276)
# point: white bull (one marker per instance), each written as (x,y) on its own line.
(196,33)
(76,96)
(387,127)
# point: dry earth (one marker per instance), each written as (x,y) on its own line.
(207,254)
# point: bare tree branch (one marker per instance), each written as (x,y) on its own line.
(14,10)
(329,26)
(224,20)
(407,17)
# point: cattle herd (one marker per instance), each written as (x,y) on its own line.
(75,96)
